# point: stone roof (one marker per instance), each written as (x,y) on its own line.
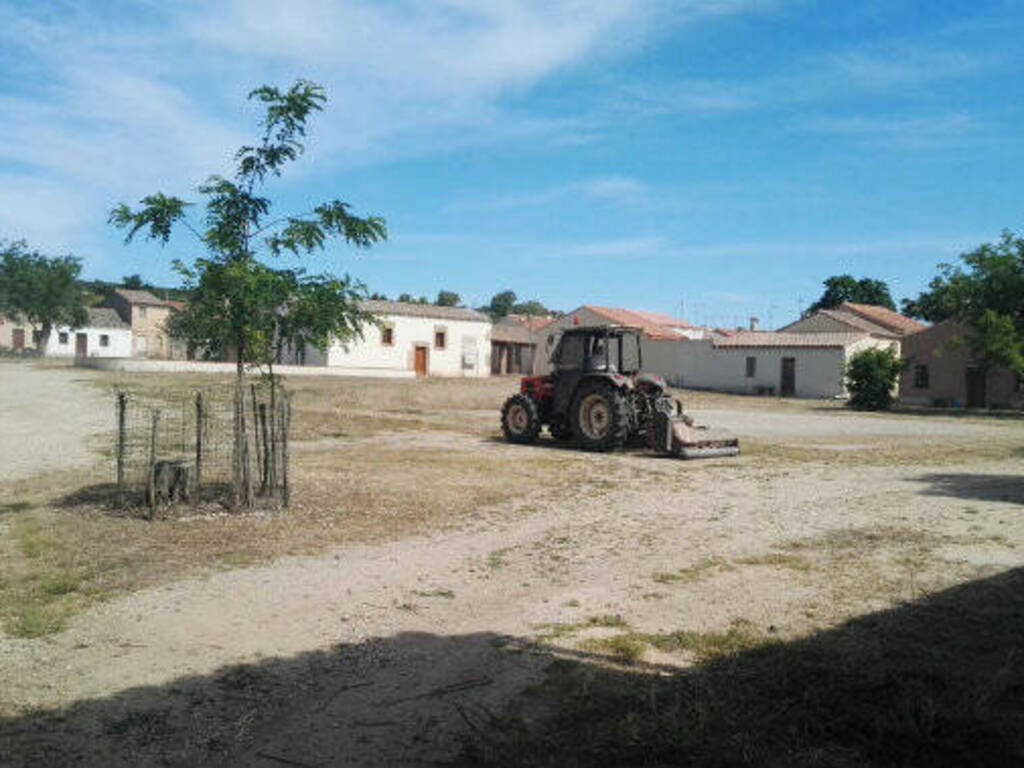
(104,317)
(133,296)
(885,317)
(379,307)
(512,333)
(780,339)
(856,321)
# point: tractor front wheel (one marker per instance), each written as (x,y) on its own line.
(520,420)
(600,417)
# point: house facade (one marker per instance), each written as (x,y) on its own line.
(104,334)
(16,334)
(941,372)
(412,339)
(807,365)
(515,340)
(148,317)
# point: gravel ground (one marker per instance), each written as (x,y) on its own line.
(51,418)
(387,654)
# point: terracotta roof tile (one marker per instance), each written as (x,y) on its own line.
(885,317)
(858,322)
(653,324)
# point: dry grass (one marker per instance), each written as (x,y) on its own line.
(369,485)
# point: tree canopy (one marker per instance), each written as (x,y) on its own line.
(448,299)
(237,302)
(44,291)
(986,292)
(507,303)
(840,288)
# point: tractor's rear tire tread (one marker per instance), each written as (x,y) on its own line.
(532,430)
(618,434)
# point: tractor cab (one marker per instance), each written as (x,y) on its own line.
(598,349)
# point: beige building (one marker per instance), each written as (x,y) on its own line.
(16,335)
(877,322)
(941,372)
(147,316)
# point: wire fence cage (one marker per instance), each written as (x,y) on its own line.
(226,445)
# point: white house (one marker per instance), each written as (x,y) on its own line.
(104,334)
(413,339)
(806,363)
(771,363)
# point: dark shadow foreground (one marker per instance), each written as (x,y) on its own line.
(938,682)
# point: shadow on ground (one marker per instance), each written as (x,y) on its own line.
(213,498)
(977,487)
(937,682)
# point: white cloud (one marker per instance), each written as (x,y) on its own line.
(634,246)
(615,189)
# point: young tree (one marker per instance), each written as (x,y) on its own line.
(231,288)
(986,293)
(238,303)
(840,288)
(871,377)
(448,299)
(44,291)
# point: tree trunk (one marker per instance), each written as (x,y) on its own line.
(44,339)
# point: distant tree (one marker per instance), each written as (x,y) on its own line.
(501,304)
(985,292)
(375,296)
(133,282)
(871,377)
(840,288)
(448,299)
(406,298)
(532,307)
(44,291)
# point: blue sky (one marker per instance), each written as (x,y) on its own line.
(726,154)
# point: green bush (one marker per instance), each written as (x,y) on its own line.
(871,377)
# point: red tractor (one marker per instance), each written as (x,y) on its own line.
(597,397)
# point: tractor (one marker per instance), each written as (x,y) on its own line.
(597,397)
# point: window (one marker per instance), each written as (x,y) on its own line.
(62,338)
(387,336)
(751,367)
(104,340)
(439,339)
(921,376)
(142,313)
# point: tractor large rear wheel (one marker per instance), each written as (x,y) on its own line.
(520,419)
(599,417)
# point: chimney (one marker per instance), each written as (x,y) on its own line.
(754,322)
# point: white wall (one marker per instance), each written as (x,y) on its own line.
(119,342)
(467,350)
(701,365)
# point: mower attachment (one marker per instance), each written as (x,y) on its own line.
(676,435)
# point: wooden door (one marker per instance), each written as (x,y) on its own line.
(420,361)
(18,339)
(787,385)
(81,345)
(976,388)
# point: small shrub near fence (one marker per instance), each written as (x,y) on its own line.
(227,446)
